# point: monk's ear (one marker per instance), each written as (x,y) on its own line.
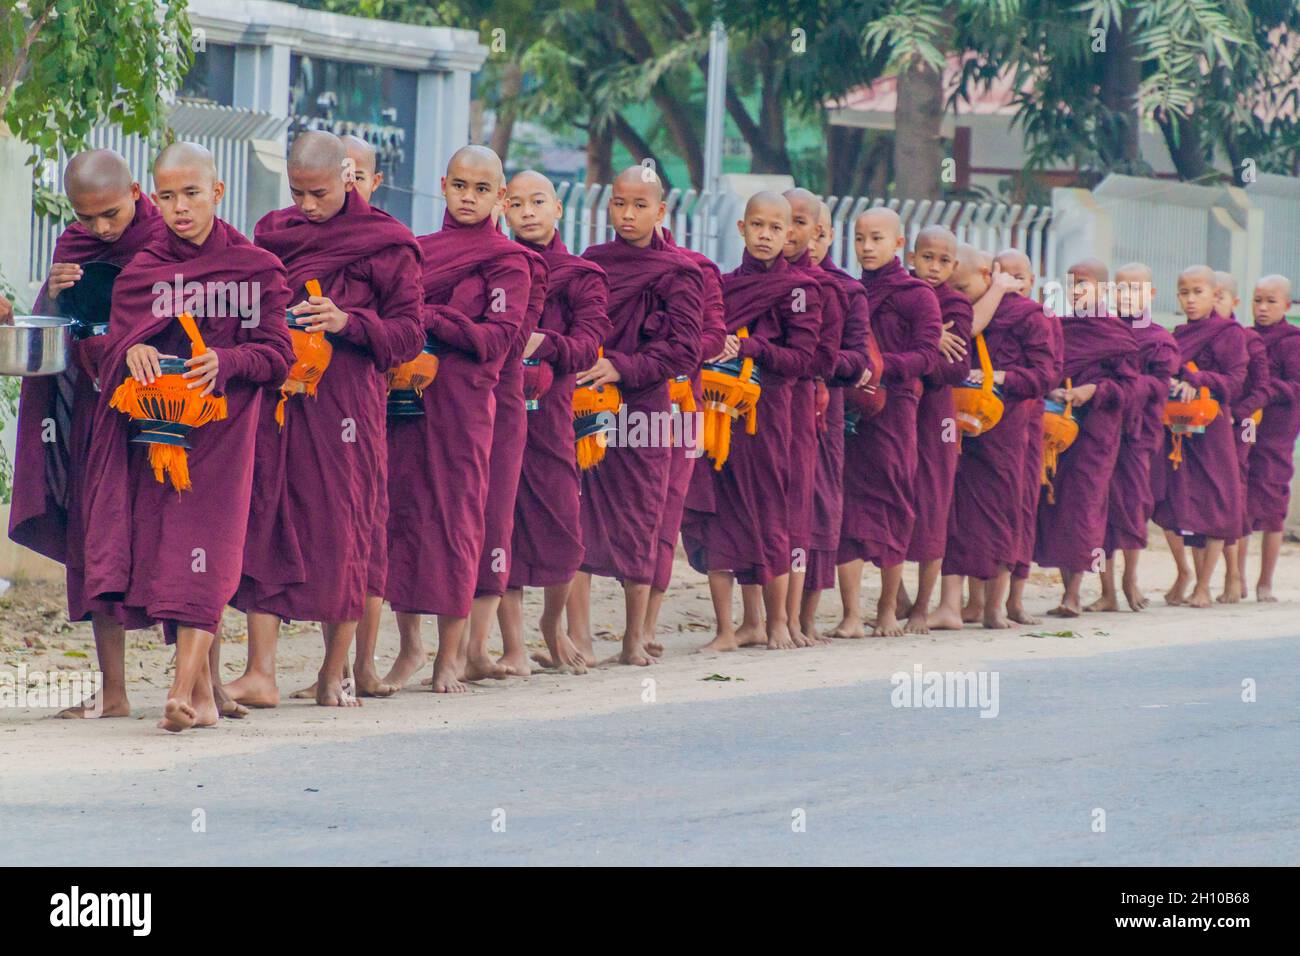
(135,191)
(218,190)
(898,243)
(444,186)
(559,209)
(663,210)
(740,227)
(910,257)
(376,180)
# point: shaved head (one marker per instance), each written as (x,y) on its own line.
(1133,272)
(934,255)
(1277,282)
(316,151)
(97,172)
(530,181)
(1197,292)
(1089,270)
(185,155)
(1013,260)
(801,200)
(1202,273)
(768,201)
(1271,300)
(824,217)
(972,275)
(877,237)
(883,217)
(1224,280)
(643,175)
(532,208)
(361,153)
(478,158)
(968,257)
(938,236)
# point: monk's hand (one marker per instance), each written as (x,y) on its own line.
(951,345)
(1182,391)
(1061,395)
(1004,282)
(730,350)
(324,315)
(999,377)
(976,376)
(602,373)
(142,362)
(1081,394)
(63,275)
(6,311)
(203,370)
(864,382)
(534,343)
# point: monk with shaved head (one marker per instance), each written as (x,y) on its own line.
(115,220)
(168,541)
(1202,483)
(851,367)
(1268,485)
(321,456)
(1141,454)
(933,258)
(476,299)
(1246,412)
(880,459)
(655,301)
(546,542)
(366,174)
(985,537)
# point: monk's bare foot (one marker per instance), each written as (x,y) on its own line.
(1200,598)
(918,622)
(1107,602)
(813,638)
(849,628)
(227,706)
(1264,595)
(445,681)
(973,613)
(586,647)
(568,658)
(1018,615)
(945,619)
(369,685)
(336,693)
(96,706)
(1137,601)
(995,620)
(1177,594)
(1231,593)
(887,625)
(516,665)
(654,648)
(304,693)
(407,665)
(542,659)
(1065,609)
(483,668)
(750,635)
(634,655)
(253,690)
(721,643)
(206,713)
(779,639)
(178,715)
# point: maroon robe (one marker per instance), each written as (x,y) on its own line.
(1203,496)
(984,532)
(936,444)
(655,306)
(683,476)
(748,532)
(804,425)
(880,459)
(48,478)
(509,434)
(546,541)
(1071,532)
(476,284)
(1031,488)
(318,481)
(1132,498)
(1253,396)
(176,556)
(851,360)
(1272,462)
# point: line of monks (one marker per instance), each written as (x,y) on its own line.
(197,455)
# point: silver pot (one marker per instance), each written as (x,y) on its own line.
(35,345)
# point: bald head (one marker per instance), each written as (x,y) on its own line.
(530,181)
(1278,283)
(1201,273)
(766,226)
(973,272)
(532,208)
(1224,280)
(1133,272)
(477,159)
(1134,290)
(1015,263)
(877,237)
(316,151)
(1197,292)
(1089,270)
(768,202)
(97,172)
(938,237)
(187,190)
(803,202)
(183,156)
(804,210)
(934,255)
(363,155)
(882,217)
(642,178)
(474,184)
(1271,300)
(820,247)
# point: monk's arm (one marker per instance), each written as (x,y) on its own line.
(794,355)
(713,325)
(1284,389)
(983,309)
(1039,371)
(920,307)
(830,334)
(676,350)
(489,337)
(1231,356)
(574,350)
(960,316)
(1258,376)
(853,358)
(266,352)
(393,332)
(1115,385)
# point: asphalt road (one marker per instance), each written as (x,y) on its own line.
(1186,772)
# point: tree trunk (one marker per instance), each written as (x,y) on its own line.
(918,150)
(512,81)
(843,152)
(1120,77)
(600,155)
(1183,137)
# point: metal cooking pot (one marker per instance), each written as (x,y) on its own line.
(35,345)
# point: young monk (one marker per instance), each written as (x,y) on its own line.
(748,534)
(312,523)
(476,296)
(1100,370)
(851,369)
(1244,408)
(881,458)
(1131,499)
(933,259)
(115,220)
(655,301)
(1272,461)
(176,556)
(546,542)
(1202,499)
(984,537)
(684,478)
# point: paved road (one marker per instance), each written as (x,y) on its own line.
(1186,772)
